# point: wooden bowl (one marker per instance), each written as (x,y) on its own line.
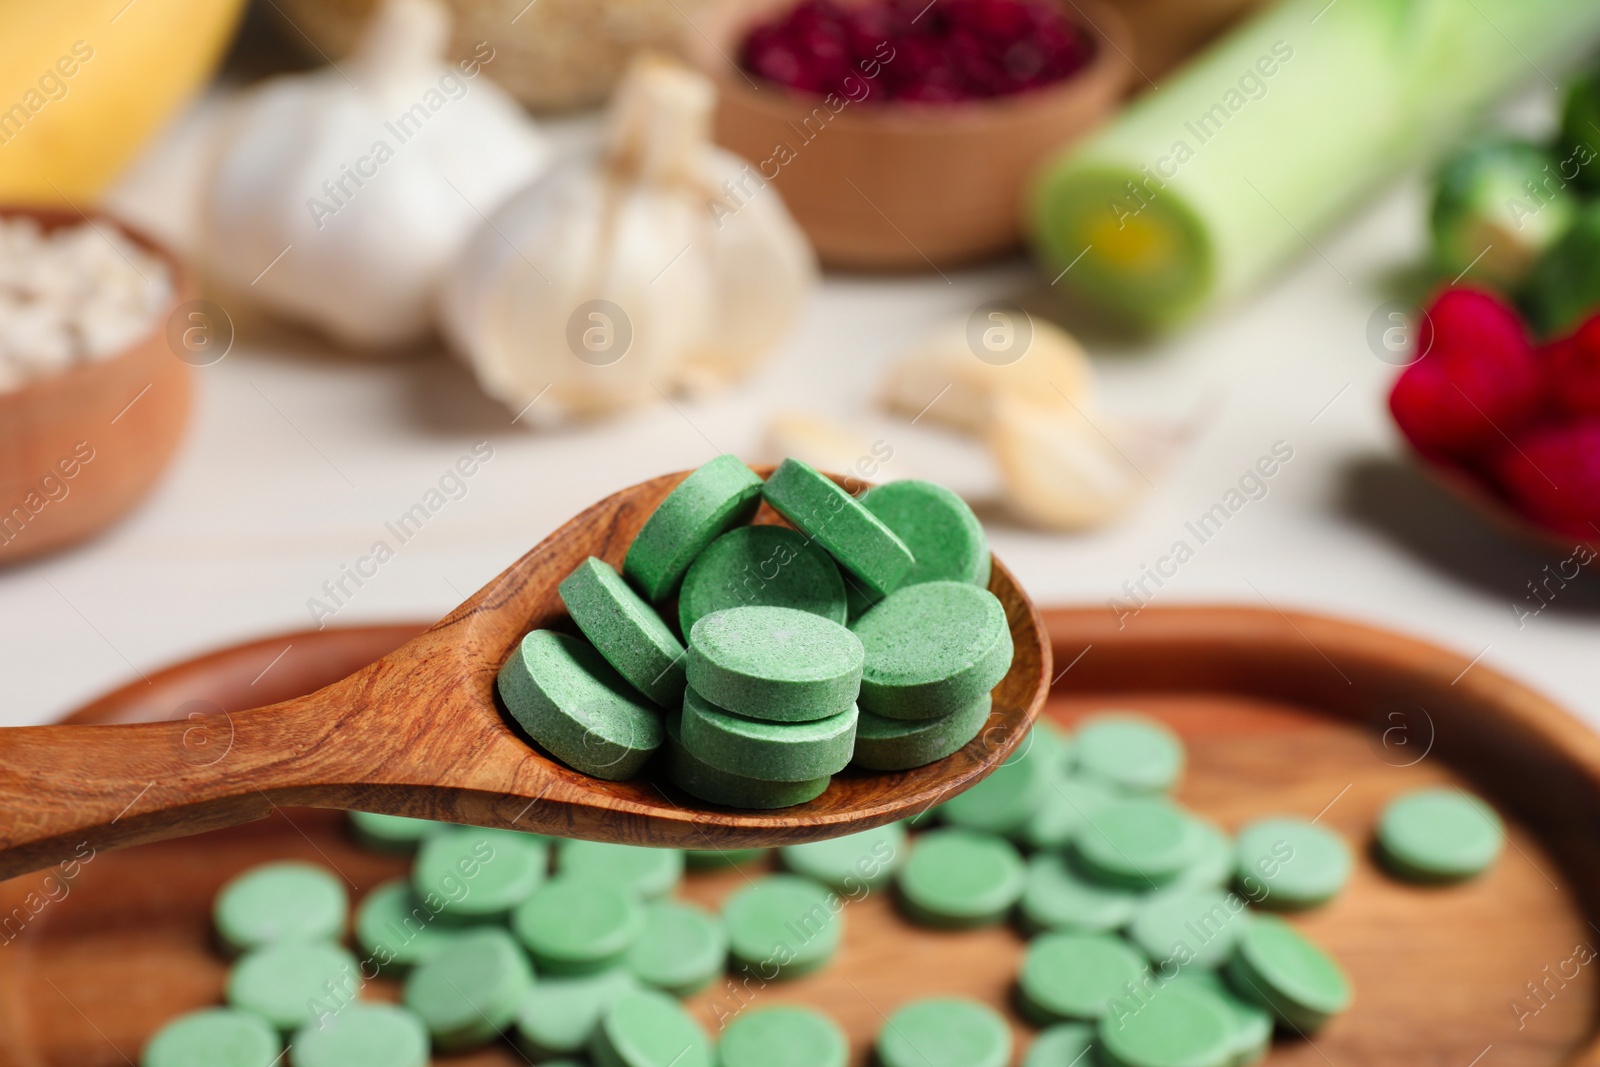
(79,449)
(899,186)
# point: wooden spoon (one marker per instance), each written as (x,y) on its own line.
(420,733)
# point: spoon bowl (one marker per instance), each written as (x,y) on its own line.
(421,732)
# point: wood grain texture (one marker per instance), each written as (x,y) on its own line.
(420,732)
(1279,713)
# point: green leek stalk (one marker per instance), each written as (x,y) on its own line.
(1204,186)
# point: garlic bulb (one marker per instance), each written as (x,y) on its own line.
(628,275)
(337,198)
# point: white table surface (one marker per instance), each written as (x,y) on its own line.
(297,457)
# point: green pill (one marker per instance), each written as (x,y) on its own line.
(1289,863)
(834,519)
(1139,843)
(397,929)
(1215,859)
(681,949)
(215,1037)
(648,1029)
(363,1035)
(625,630)
(289,983)
(1062,1045)
(943,534)
(646,872)
(783,1037)
(575,925)
(771,751)
(392,833)
(1132,752)
(1058,897)
(716,859)
(769,566)
(1076,976)
(901,744)
(285,901)
(853,864)
(783,926)
(932,649)
(1009,797)
(559,1016)
(1279,968)
(700,779)
(1439,835)
(1252,1024)
(712,499)
(469,993)
(1179,928)
(775,664)
(1064,812)
(944,1032)
(1181,1025)
(476,874)
(571,701)
(960,878)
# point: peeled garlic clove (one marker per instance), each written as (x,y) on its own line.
(827,444)
(955,375)
(1059,470)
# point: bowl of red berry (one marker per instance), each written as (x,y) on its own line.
(902,133)
(1510,424)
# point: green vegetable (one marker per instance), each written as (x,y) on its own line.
(1564,286)
(1498,205)
(1203,187)
(1580,130)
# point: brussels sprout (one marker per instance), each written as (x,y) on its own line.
(1580,130)
(1564,286)
(1498,205)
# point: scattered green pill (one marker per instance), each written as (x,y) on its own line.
(648,1029)
(853,864)
(559,1016)
(1215,861)
(932,649)
(772,751)
(681,948)
(1065,810)
(719,495)
(783,925)
(782,1037)
(1180,1025)
(648,872)
(1069,976)
(1133,752)
(1439,835)
(961,878)
(1252,1024)
(1058,897)
(625,630)
(392,833)
(1062,1045)
(1279,968)
(901,744)
(575,704)
(944,1032)
(469,993)
(214,1037)
(712,784)
(1290,863)
(289,983)
(1138,842)
(475,873)
(774,664)
(770,566)
(280,901)
(575,925)
(397,929)
(363,1035)
(1180,928)
(1008,797)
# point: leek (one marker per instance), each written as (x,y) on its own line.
(1206,185)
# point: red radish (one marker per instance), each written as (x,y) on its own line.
(1476,383)
(1552,475)
(1572,366)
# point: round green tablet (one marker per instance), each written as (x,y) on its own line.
(783,1037)
(1062,1045)
(772,751)
(901,744)
(397,929)
(938,527)
(715,859)
(783,924)
(1139,842)
(944,1032)
(560,1015)
(681,949)
(392,833)
(647,872)
(1006,799)
(776,664)
(1439,835)
(700,779)
(578,924)
(1215,859)
(363,1035)
(1132,752)
(762,565)
(289,983)
(1287,863)
(1058,897)
(476,873)
(625,630)
(838,522)
(571,701)
(1181,1025)
(278,902)
(713,498)
(214,1037)
(649,1029)
(1064,811)
(1278,968)
(960,878)
(1252,1024)
(1075,976)
(469,993)
(853,864)
(1188,927)
(932,649)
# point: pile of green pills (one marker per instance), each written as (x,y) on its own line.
(760,660)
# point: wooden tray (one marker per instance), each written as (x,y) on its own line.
(1296,714)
